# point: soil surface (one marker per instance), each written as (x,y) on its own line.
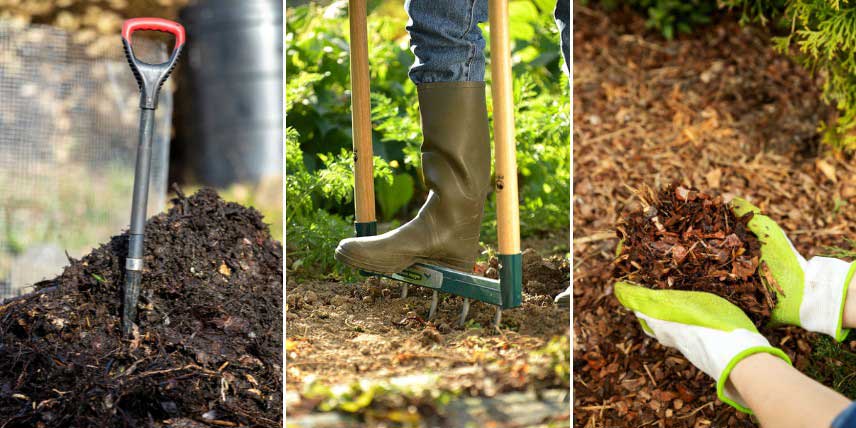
(339,333)
(718,110)
(208,348)
(684,239)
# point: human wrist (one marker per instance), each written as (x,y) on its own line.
(781,396)
(745,371)
(742,373)
(744,377)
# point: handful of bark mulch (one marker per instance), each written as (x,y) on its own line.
(685,239)
(208,351)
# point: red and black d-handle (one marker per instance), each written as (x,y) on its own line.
(150,78)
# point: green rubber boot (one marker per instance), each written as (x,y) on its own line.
(456,167)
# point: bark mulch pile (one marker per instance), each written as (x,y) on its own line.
(716,110)
(209,346)
(684,239)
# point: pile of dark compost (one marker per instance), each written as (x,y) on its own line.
(684,239)
(209,346)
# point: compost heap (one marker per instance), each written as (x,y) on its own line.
(210,338)
(684,239)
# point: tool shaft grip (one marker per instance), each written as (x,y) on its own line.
(361,125)
(142,170)
(507,214)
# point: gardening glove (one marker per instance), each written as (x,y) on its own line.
(810,294)
(713,334)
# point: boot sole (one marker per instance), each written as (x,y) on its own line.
(391,269)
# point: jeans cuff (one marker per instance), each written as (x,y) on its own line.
(464,84)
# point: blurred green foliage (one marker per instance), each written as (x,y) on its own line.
(402,401)
(669,17)
(397,402)
(319,177)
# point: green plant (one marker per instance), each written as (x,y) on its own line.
(392,197)
(823,38)
(558,352)
(395,401)
(543,161)
(757,11)
(840,252)
(313,232)
(833,365)
(670,17)
(319,178)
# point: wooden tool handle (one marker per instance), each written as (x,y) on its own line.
(361,114)
(507,214)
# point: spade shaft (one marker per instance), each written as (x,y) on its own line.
(150,78)
(136,234)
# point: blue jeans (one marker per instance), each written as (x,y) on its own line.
(448,43)
(847,418)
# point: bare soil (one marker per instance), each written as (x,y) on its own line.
(717,110)
(209,348)
(340,332)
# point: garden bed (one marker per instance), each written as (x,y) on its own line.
(720,111)
(208,349)
(342,334)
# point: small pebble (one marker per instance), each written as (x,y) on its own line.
(310,297)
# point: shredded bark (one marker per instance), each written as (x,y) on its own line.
(684,239)
(717,110)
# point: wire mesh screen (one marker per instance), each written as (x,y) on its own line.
(68,137)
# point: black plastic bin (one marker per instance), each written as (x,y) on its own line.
(234,70)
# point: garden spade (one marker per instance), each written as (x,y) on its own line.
(507,291)
(150,78)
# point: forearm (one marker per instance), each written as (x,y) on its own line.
(783,397)
(849,320)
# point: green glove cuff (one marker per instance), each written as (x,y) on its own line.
(843,332)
